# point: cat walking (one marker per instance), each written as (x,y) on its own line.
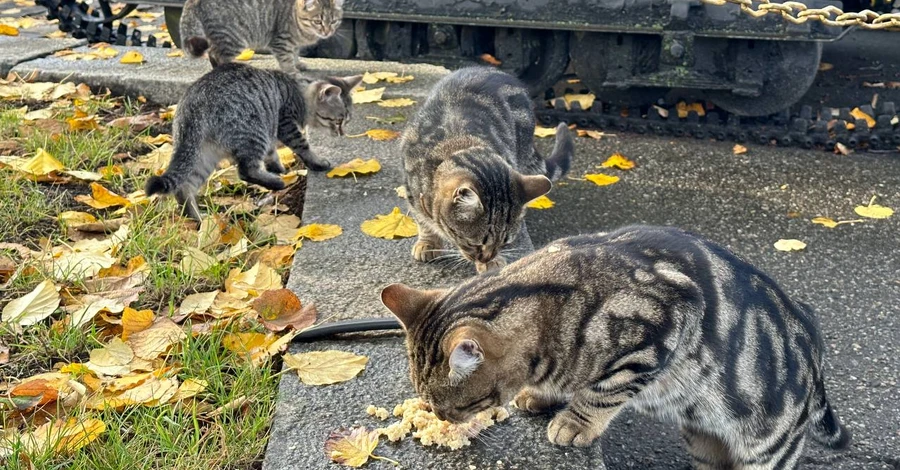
(239,112)
(471,165)
(284,27)
(652,318)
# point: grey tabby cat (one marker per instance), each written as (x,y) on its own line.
(284,27)
(239,112)
(648,317)
(471,165)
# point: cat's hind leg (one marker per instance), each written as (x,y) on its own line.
(786,456)
(273,163)
(286,53)
(707,452)
(428,245)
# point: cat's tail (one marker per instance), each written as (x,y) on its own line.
(192,40)
(826,428)
(559,162)
(195,46)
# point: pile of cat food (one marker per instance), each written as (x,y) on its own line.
(431,431)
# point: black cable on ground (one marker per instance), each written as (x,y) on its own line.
(348,326)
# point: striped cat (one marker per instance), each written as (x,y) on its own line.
(227,27)
(471,165)
(648,317)
(239,112)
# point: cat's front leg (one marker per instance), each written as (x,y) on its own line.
(428,245)
(536,401)
(584,419)
(286,55)
(290,134)
(273,163)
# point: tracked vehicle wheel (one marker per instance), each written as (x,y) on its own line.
(546,54)
(787,70)
(598,62)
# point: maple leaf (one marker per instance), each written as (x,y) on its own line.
(355,166)
(487,58)
(102,198)
(585,100)
(326,367)
(245,55)
(542,202)
(281,308)
(739,149)
(34,306)
(601,179)
(396,103)
(874,211)
(619,161)
(132,57)
(391,226)
(318,232)
(542,132)
(156,339)
(353,448)
(368,96)
(789,245)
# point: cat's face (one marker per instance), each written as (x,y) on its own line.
(333,104)
(459,373)
(320,17)
(481,209)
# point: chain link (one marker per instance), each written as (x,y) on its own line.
(830,15)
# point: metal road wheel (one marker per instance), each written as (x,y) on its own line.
(173,24)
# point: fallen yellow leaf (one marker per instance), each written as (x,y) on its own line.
(619,161)
(859,114)
(597,135)
(601,179)
(62,437)
(282,226)
(489,59)
(585,100)
(175,53)
(102,198)
(391,226)
(75,218)
(375,77)
(34,306)
(353,448)
(874,211)
(368,96)
(540,131)
(326,367)
(684,109)
(542,202)
(82,122)
(40,165)
(156,339)
(396,103)
(355,166)
(382,134)
(7,30)
(112,359)
(318,232)
(739,149)
(830,223)
(400,79)
(245,55)
(281,308)
(135,320)
(789,245)
(197,304)
(242,284)
(825,66)
(132,57)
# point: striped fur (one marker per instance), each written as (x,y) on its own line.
(283,27)
(471,165)
(239,112)
(648,317)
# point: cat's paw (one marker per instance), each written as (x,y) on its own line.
(565,429)
(301,67)
(495,263)
(425,251)
(315,163)
(526,400)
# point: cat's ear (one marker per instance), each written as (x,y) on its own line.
(465,358)
(328,90)
(534,186)
(466,196)
(407,303)
(351,82)
(309,4)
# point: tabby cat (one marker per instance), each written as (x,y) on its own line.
(239,112)
(648,317)
(284,27)
(471,165)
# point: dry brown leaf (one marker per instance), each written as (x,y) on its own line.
(326,367)
(283,226)
(281,308)
(489,59)
(155,340)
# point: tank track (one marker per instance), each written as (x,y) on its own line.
(804,127)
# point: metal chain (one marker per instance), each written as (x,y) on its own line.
(866,19)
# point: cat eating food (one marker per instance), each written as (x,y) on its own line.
(471,165)
(652,318)
(227,27)
(239,112)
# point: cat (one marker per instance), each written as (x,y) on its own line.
(239,112)
(471,165)
(653,318)
(284,27)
